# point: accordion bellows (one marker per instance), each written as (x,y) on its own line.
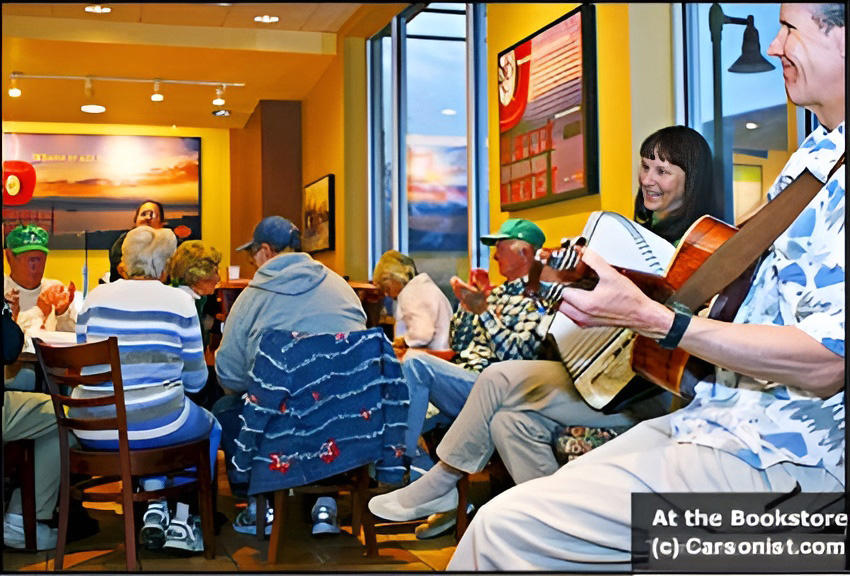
(319,405)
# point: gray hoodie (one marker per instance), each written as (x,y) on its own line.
(290,292)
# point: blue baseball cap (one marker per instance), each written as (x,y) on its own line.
(277,232)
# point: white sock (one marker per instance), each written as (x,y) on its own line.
(436,482)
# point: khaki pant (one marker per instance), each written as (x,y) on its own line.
(28,415)
(515,406)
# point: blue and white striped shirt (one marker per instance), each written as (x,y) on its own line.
(159,338)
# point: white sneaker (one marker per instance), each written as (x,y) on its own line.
(13,533)
(439,524)
(156,519)
(387,506)
(184,535)
(324,516)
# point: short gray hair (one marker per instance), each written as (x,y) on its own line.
(146,251)
(829,16)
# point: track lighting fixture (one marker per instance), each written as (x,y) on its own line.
(93,108)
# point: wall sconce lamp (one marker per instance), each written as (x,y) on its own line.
(751,61)
(156,96)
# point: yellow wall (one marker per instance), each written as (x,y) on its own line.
(510,23)
(66,265)
(334,141)
(322,149)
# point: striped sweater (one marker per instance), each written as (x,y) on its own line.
(159,339)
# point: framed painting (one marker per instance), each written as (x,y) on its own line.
(548,142)
(317,215)
(89,185)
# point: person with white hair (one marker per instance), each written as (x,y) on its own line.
(162,358)
(423,313)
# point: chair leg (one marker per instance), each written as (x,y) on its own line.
(129,525)
(62,536)
(28,494)
(205,502)
(260,523)
(279,511)
(462,497)
(361,510)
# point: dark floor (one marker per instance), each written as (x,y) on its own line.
(398,547)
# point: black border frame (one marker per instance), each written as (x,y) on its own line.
(331,213)
(590,111)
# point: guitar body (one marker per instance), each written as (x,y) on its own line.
(668,368)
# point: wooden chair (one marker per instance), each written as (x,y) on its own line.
(63,366)
(19,460)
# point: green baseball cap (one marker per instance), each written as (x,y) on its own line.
(26,238)
(517,228)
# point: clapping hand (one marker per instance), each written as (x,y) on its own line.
(470,296)
(56,297)
(13,297)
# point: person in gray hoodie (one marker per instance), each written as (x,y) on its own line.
(289,291)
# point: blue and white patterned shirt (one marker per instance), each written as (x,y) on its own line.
(801,284)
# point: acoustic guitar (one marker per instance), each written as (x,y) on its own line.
(673,370)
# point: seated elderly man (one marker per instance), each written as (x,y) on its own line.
(489,327)
(162,358)
(36,302)
(289,291)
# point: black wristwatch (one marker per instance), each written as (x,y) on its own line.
(680,324)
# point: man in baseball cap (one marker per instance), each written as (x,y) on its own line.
(36,302)
(289,291)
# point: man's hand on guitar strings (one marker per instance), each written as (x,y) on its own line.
(615,301)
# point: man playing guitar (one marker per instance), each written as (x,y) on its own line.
(772,421)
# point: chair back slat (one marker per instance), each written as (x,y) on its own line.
(86,402)
(69,379)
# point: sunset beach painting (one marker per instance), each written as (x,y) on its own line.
(90,185)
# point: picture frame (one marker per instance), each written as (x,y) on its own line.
(89,185)
(318,215)
(548,127)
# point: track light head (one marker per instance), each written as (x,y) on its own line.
(219,96)
(14,91)
(156,96)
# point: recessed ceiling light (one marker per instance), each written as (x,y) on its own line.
(751,125)
(98,9)
(93,108)
(221,112)
(266,19)
(448,111)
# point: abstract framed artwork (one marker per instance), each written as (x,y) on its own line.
(317,215)
(548,141)
(89,185)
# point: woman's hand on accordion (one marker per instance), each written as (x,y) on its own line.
(615,301)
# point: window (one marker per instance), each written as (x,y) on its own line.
(754,123)
(427,133)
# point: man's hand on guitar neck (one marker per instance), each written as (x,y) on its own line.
(615,301)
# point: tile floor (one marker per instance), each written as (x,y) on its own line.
(399,550)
